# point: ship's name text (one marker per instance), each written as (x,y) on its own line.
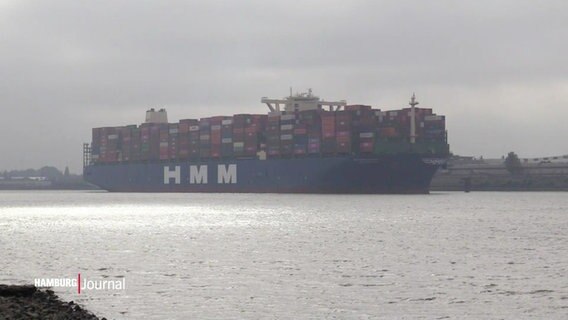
(199,174)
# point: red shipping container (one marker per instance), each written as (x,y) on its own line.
(358,107)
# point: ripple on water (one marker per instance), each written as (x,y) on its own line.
(451,255)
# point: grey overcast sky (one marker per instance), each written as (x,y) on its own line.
(497,69)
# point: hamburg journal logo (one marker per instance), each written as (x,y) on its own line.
(81,284)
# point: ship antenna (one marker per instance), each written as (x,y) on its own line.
(413,103)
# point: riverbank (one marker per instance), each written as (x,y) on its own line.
(481,176)
(29,302)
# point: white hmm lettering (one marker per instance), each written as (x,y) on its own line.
(175,174)
(198,174)
(227,174)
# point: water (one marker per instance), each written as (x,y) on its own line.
(213,256)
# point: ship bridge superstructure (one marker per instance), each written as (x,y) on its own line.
(301,102)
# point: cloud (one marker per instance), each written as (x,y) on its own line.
(68,66)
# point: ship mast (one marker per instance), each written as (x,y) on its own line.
(413,103)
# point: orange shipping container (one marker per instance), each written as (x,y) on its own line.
(388,132)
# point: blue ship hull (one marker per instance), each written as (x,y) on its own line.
(405,173)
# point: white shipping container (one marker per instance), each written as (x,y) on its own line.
(216,127)
(433,118)
(163,144)
(239,144)
(286,127)
(288,117)
(193,128)
(173,131)
(286,137)
(226,140)
(112,136)
(226,122)
(366,135)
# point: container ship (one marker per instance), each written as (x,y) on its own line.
(304,144)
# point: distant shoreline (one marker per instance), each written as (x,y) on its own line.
(48,188)
(497,178)
(495,189)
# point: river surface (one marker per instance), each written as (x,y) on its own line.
(267,256)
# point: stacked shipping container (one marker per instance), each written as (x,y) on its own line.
(204,146)
(311,120)
(343,131)
(328,132)
(253,134)
(227,147)
(358,129)
(364,122)
(287,126)
(273,135)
